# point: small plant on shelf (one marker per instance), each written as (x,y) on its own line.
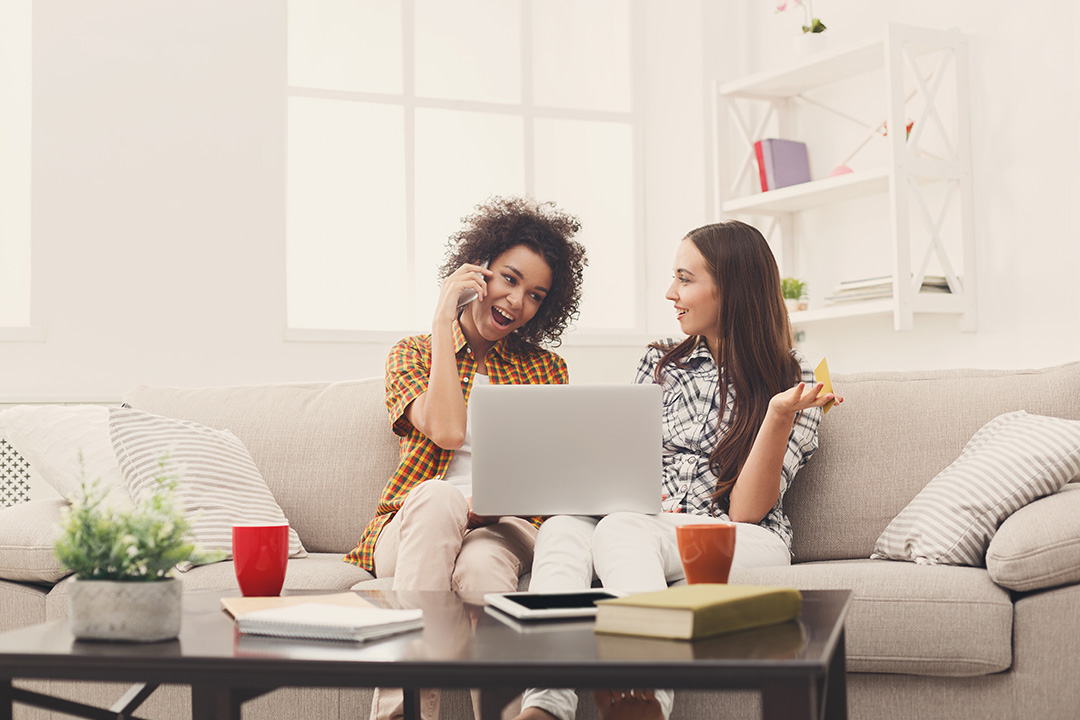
(794,292)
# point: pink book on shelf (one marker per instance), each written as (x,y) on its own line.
(759,152)
(786,162)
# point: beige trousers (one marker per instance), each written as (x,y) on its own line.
(429,546)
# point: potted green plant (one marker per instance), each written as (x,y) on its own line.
(123,560)
(794,292)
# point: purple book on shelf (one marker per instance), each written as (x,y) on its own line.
(786,162)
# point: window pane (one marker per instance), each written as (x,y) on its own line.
(462,159)
(582,54)
(469,50)
(345,230)
(15,163)
(588,168)
(345,45)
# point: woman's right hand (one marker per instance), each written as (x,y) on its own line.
(467,277)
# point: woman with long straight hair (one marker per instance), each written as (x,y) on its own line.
(740,418)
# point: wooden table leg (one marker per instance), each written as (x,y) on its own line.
(494,700)
(410,703)
(835,699)
(7,699)
(214,702)
(792,700)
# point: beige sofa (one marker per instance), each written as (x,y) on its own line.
(922,641)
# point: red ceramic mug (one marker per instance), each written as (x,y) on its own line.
(706,551)
(260,553)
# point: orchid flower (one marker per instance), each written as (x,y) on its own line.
(811,24)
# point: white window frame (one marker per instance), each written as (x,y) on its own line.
(18,19)
(410,102)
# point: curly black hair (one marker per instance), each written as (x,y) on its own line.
(502,223)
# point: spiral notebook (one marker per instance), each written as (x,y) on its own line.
(320,621)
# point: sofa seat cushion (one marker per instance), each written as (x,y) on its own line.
(23,604)
(317,571)
(28,532)
(1038,546)
(910,619)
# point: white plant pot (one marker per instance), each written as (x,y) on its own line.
(795,305)
(125,611)
(807,44)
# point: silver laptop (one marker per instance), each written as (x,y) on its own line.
(565,449)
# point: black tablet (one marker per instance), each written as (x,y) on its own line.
(538,606)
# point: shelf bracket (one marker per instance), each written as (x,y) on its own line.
(749,156)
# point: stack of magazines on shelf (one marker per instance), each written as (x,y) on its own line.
(877,288)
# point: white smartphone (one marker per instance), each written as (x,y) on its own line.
(466,297)
(469,295)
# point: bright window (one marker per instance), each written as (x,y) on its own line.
(14,167)
(403,116)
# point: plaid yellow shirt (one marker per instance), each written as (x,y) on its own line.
(407,368)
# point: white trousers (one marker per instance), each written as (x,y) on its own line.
(428,545)
(633,553)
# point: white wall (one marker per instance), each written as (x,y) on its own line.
(1025,108)
(158,191)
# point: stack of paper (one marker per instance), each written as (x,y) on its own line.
(322,621)
(876,288)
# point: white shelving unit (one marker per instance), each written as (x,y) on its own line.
(777,95)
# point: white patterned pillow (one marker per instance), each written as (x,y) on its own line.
(51,438)
(219,486)
(1014,459)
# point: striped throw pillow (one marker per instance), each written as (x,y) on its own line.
(219,485)
(1014,459)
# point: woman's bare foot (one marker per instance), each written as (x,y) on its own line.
(535,713)
(628,705)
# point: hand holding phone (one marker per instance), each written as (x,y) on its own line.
(466,297)
(470,294)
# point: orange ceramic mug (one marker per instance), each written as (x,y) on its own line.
(260,556)
(706,551)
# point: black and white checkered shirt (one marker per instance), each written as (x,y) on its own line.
(692,427)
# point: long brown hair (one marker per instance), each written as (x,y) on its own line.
(755,339)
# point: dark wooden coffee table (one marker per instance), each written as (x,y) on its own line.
(798,666)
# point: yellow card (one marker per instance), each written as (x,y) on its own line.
(821,374)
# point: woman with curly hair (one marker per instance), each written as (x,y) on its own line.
(516,261)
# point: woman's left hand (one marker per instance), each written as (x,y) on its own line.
(476,521)
(802,397)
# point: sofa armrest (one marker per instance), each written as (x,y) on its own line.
(28,532)
(1038,546)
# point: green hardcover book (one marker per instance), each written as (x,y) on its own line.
(689,612)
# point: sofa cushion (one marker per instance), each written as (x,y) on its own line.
(65,444)
(1038,546)
(907,618)
(325,449)
(896,431)
(28,532)
(219,485)
(1012,460)
(317,571)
